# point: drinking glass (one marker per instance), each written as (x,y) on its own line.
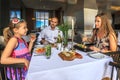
(59,46)
(84,37)
(48,51)
(32,35)
(55,38)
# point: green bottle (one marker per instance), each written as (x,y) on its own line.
(59,38)
(48,51)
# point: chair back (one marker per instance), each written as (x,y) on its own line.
(115,55)
(16,67)
(115,63)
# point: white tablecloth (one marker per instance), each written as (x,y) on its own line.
(55,68)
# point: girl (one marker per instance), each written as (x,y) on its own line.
(104,36)
(16,50)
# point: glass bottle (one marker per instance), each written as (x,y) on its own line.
(59,38)
(48,51)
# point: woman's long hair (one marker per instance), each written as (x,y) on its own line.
(106,26)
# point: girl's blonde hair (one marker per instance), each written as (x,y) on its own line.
(8,31)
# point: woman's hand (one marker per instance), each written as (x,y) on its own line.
(97,49)
(94,48)
(84,39)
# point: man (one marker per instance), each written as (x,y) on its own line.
(50,33)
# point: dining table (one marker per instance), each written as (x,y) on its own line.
(55,68)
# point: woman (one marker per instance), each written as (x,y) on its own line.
(104,36)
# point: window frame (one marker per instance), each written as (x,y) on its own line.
(19,15)
(40,18)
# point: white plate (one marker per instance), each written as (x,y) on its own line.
(96,55)
(39,46)
(38,53)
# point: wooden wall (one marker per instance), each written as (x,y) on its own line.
(29,15)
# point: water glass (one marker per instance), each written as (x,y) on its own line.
(48,51)
(32,35)
(59,46)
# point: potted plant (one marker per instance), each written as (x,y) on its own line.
(64,28)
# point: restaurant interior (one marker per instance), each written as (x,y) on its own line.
(83,11)
(38,14)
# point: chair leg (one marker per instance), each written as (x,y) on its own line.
(112,72)
(117,74)
(3,74)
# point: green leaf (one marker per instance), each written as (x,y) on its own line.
(64,27)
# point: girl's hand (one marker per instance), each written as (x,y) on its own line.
(32,37)
(26,62)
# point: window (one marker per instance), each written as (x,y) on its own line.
(42,19)
(15,13)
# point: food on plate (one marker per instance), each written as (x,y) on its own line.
(78,55)
(81,45)
(40,50)
(70,55)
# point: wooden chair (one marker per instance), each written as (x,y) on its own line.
(3,72)
(1,49)
(3,69)
(115,63)
(115,55)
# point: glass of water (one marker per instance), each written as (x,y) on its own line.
(48,51)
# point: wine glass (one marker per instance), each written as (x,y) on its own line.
(55,39)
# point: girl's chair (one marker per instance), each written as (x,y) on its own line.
(3,71)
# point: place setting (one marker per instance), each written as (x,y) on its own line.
(39,50)
(96,55)
(43,50)
(82,46)
(70,55)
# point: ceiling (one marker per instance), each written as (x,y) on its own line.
(113,5)
(44,4)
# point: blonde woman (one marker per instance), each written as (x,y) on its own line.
(104,37)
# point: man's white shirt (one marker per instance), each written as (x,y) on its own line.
(49,34)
